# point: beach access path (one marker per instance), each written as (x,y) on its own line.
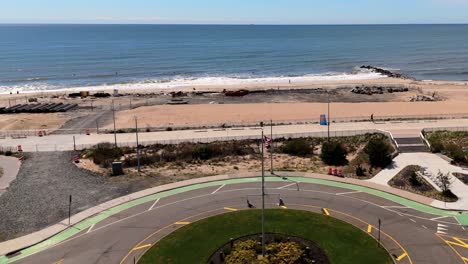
(10,166)
(66,143)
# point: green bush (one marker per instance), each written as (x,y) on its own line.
(8,153)
(455,152)
(436,146)
(333,153)
(360,171)
(297,147)
(104,154)
(203,152)
(379,152)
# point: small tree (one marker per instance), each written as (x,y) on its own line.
(445,181)
(333,153)
(379,152)
(297,147)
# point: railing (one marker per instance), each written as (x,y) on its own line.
(70,147)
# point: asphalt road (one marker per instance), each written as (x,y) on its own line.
(411,236)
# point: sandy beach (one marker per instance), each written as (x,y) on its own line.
(280,101)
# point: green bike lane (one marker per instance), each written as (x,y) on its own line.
(462,218)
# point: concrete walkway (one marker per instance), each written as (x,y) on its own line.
(65,142)
(433,163)
(10,166)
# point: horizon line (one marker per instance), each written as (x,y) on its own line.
(237,24)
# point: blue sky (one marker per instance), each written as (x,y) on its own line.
(235,11)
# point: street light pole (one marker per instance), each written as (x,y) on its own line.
(328,121)
(138,145)
(271,147)
(113,116)
(263,195)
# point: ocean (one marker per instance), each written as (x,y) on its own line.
(52,57)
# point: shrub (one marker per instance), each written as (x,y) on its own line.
(413,179)
(297,147)
(8,153)
(105,154)
(436,146)
(333,153)
(203,152)
(360,171)
(455,152)
(379,152)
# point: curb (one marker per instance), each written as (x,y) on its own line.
(18,244)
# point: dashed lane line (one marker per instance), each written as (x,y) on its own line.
(440,217)
(325,211)
(230,209)
(412,220)
(90,228)
(344,193)
(154,204)
(220,187)
(181,223)
(286,186)
(402,256)
(141,247)
(424,226)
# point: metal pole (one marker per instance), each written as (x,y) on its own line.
(69,209)
(263,196)
(113,116)
(138,145)
(328,123)
(97,127)
(74,144)
(271,147)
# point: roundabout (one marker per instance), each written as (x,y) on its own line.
(194,243)
(122,234)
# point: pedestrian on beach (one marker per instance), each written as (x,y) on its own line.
(372,118)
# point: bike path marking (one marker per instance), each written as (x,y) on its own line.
(462,218)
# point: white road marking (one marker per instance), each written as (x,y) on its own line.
(348,193)
(441,229)
(286,186)
(399,214)
(152,206)
(218,189)
(424,227)
(440,217)
(412,220)
(463,228)
(395,206)
(90,228)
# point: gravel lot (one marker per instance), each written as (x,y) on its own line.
(39,196)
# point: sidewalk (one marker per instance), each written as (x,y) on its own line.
(65,142)
(10,166)
(59,232)
(433,163)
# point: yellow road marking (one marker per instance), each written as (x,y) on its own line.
(58,262)
(181,223)
(402,256)
(141,247)
(230,209)
(450,243)
(326,211)
(369,228)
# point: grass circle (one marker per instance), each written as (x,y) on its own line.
(194,243)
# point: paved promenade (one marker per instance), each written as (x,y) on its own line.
(65,142)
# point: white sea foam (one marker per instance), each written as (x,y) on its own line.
(184,82)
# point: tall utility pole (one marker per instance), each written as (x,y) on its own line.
(271,147)
(113,116)
(328,120)
(138,145)
(263,194)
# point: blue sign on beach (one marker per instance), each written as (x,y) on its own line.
(323,120)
